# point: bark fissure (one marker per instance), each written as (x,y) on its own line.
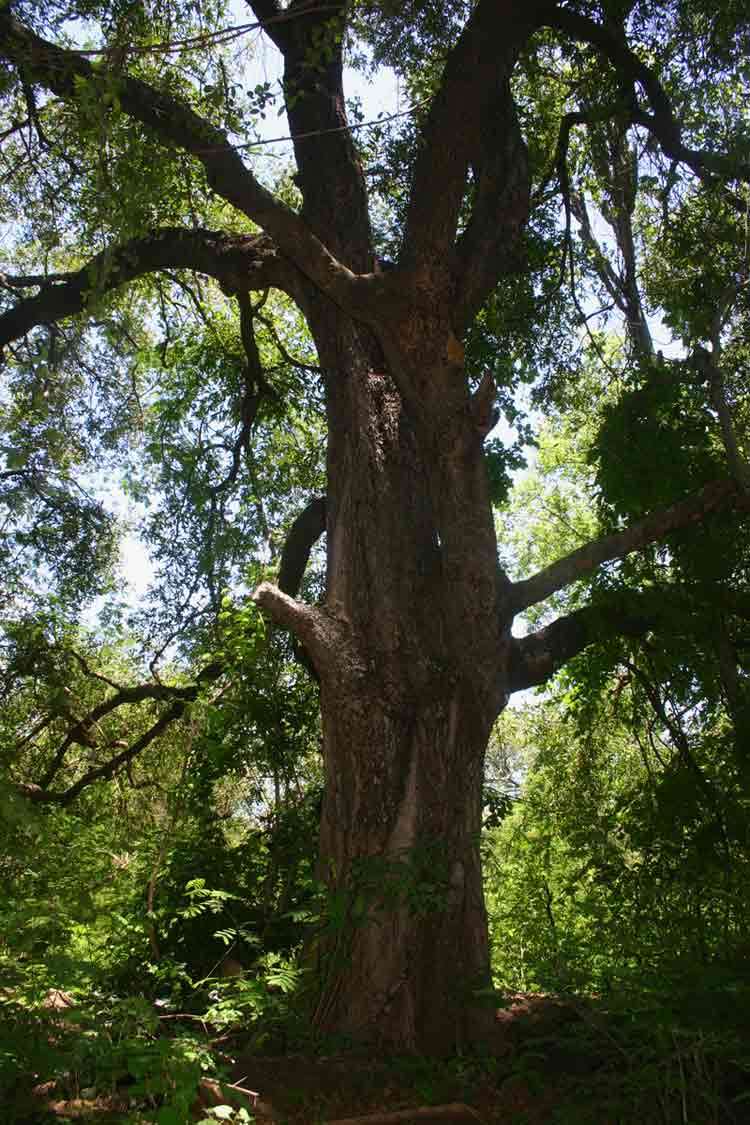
(409,870)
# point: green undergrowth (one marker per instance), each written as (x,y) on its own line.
(683,1057)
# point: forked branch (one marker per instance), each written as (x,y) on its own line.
(85,731)
(473,108)
(661,122)
(176,124)
(109,769)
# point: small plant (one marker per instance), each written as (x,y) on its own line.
(237,1115)
(259,1000)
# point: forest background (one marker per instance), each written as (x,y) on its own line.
(186,317)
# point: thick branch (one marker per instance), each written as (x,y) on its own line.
(177,124)
(470,119)
(268,13)
(719,495)
(326,638)
(329,172)
(303,534)
(237,261)
(491,244)
(535,659)
(310,625)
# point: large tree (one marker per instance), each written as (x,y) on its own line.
(475,193)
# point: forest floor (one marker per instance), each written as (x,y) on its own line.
(517,1080)
(552,1061)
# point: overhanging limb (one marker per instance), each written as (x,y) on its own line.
(236,261)
(534,659)
(717,495)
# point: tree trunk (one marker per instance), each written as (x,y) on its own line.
(407,707)
(413,646)
(407,950)
(408,644)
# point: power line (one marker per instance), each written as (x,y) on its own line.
(324,132)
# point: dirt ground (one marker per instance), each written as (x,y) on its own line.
(517,1080)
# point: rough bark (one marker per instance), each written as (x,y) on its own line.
(400,648)
(405,718)
(399,843)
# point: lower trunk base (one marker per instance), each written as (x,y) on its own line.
(406,963)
